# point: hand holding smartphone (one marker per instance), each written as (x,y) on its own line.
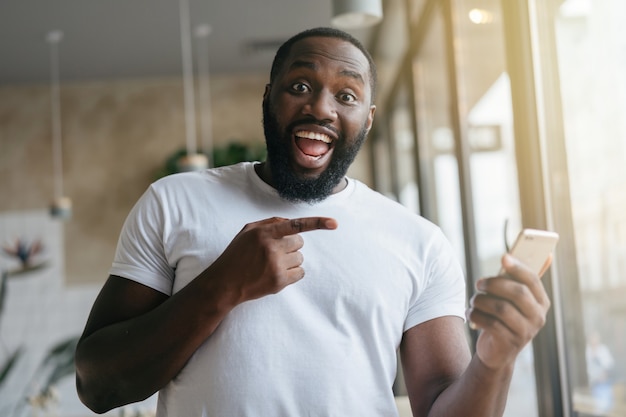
(534,248)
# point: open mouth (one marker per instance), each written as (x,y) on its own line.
(313,144)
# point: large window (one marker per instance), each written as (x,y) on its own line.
(513,116)
(590,39)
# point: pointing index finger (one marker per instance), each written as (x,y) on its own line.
(303,224)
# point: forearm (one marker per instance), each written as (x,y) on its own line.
(130,360)
(479,392)
(136,339)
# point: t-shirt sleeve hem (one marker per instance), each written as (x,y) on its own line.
(425,316)
(141,276)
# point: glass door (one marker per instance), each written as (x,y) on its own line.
(466,148)
(512,116)
(589,62)
(485,125)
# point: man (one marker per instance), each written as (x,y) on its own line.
(301,311)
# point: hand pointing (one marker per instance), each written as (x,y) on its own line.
(264,257)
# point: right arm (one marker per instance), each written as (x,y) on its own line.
(137,339)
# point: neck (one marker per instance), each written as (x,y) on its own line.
(264,172)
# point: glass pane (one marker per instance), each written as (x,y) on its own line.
(435,137)
(591,46)
(404,151)
(485,92)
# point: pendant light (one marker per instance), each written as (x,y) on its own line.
(356,14)
(61,207)
(192,160)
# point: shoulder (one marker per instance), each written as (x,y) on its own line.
(388,210)
(362,192)
(196,180)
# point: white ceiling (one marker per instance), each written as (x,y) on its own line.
(106,39)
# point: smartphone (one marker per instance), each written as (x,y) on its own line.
(534,247)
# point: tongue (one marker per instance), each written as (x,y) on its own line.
(312,147)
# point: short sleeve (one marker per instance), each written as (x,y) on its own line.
(140,254)
(444,285)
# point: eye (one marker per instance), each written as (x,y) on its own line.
(347,97)
(300,87)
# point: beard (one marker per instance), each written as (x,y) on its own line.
(290,185)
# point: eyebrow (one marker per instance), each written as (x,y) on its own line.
(312,66)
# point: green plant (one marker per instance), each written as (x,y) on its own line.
(231,153)
(235,152)
(9,364)
(56,365)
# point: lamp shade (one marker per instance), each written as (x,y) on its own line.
(356,14)
(61,208)
(192,162)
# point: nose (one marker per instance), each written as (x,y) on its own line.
(321,106)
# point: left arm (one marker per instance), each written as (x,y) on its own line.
(442,379)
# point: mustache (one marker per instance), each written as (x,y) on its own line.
(270,117)
(312,121)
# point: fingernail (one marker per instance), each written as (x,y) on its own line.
(473,325)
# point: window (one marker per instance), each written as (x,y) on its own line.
(516,114)
(590,41)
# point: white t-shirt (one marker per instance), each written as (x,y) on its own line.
(324,346)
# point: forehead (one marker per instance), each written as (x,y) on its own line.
(321,51)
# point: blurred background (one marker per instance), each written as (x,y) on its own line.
(492,115)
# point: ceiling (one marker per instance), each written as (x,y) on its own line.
(104,39)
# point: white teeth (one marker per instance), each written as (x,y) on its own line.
(314,135)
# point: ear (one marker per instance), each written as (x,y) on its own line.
(370,117)
(266,94)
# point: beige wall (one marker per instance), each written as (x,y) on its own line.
(116,136)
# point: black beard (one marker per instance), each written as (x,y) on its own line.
(289,185)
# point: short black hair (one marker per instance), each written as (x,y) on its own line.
(285,48)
